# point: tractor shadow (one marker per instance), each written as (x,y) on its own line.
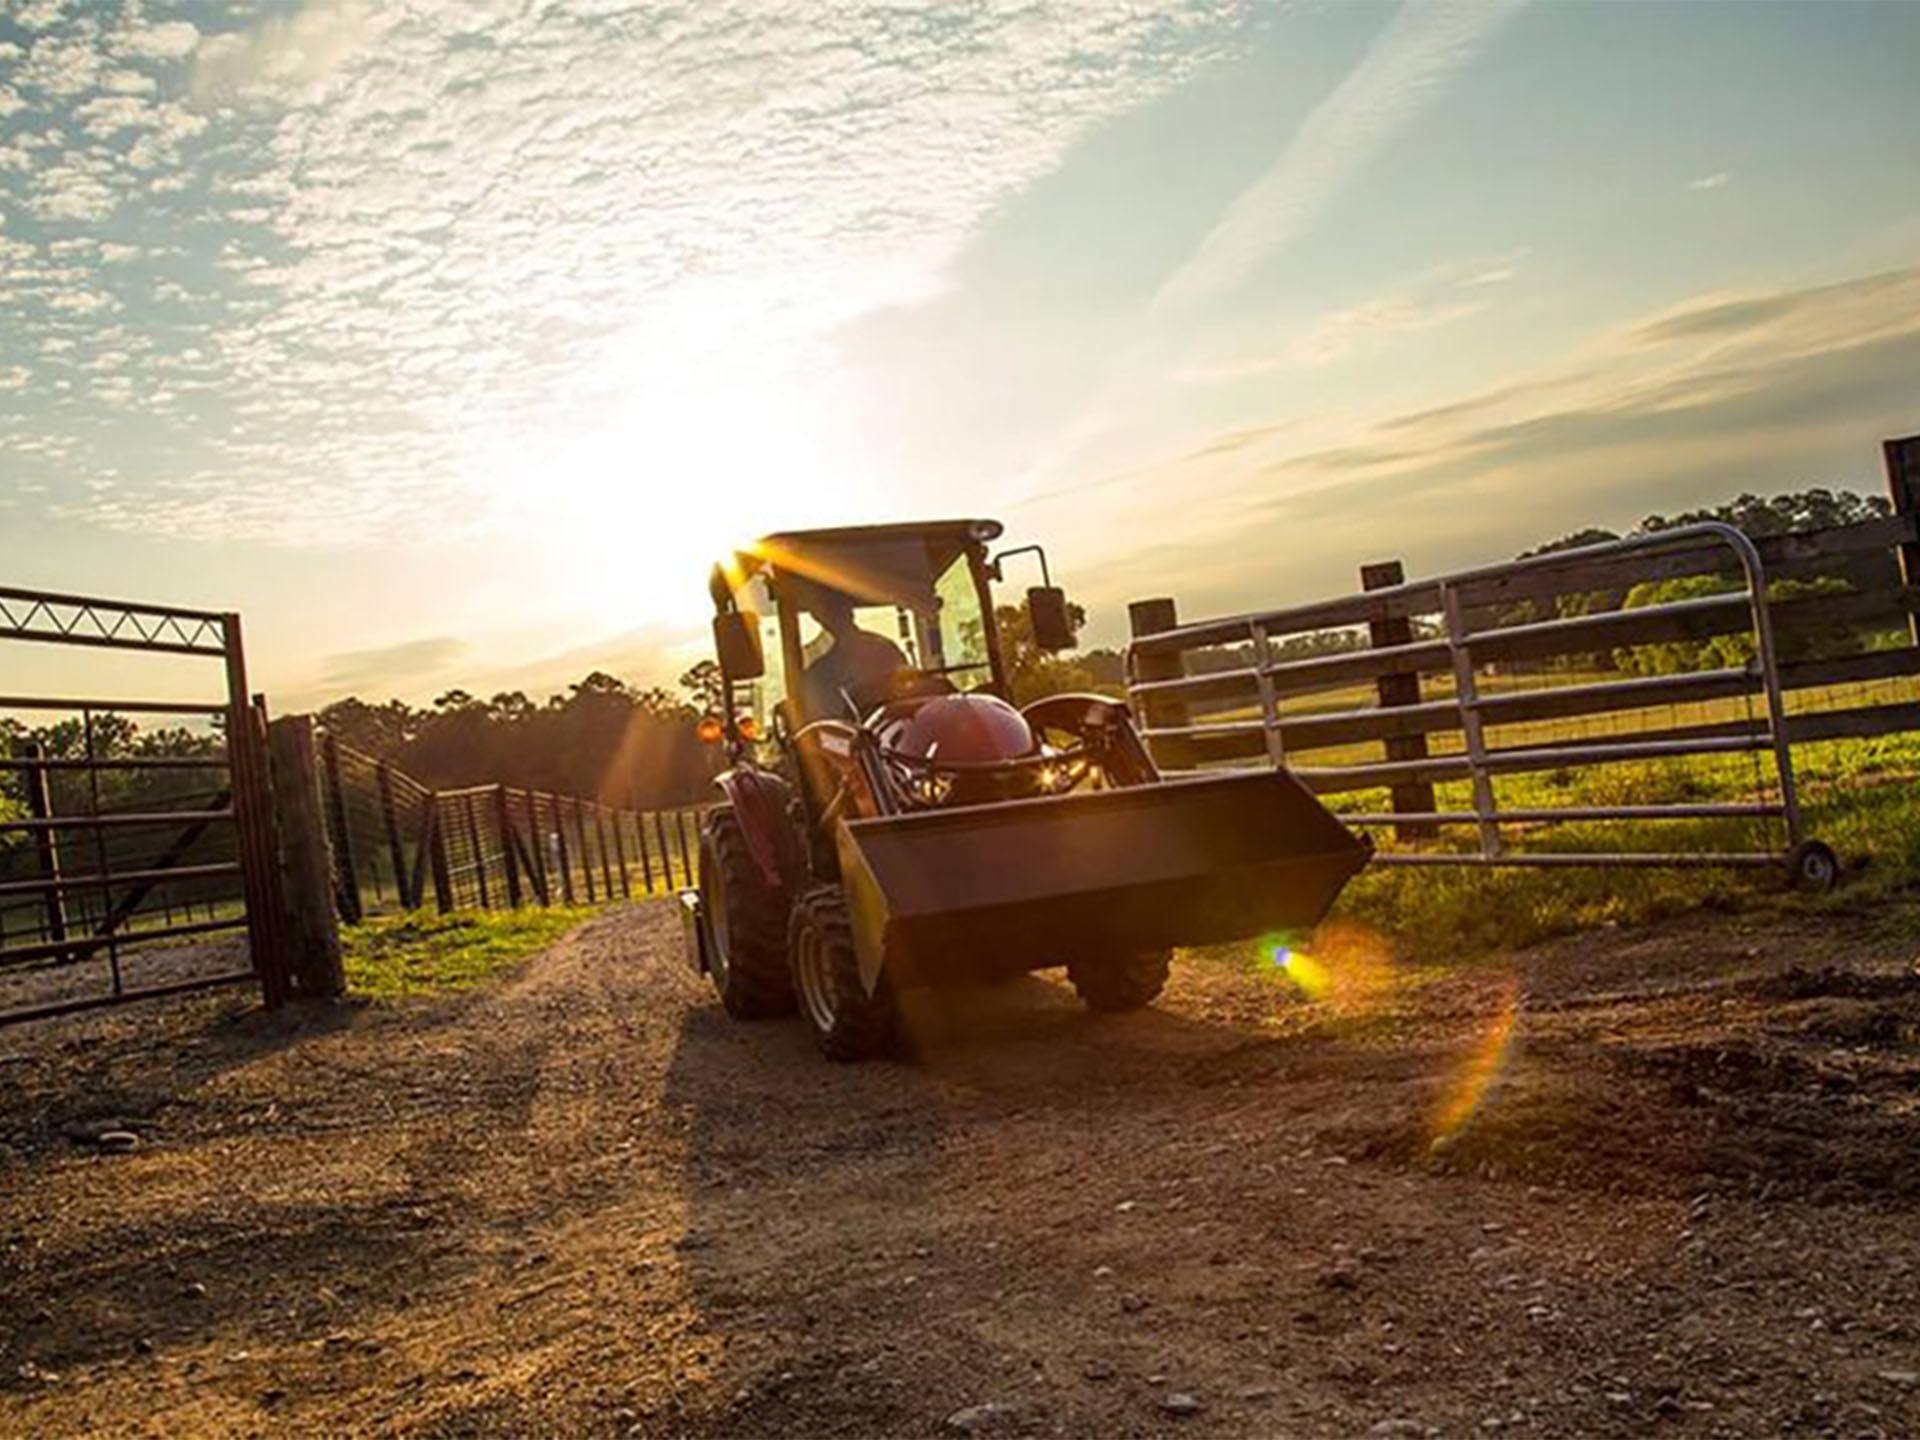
(822,1201)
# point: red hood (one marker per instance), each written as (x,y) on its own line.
(964,729)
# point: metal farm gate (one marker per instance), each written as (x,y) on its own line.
(1524,673)
(134,843)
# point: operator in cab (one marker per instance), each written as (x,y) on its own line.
(858,665)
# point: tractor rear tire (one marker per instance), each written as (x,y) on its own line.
(1111,983)
(746,921)
(847,1023)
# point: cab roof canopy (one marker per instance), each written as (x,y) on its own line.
(951,532)
(869,562)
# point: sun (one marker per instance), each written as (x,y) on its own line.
(629,514)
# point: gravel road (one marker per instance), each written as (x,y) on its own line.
(1665,1180)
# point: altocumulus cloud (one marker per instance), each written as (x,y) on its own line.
(357,257)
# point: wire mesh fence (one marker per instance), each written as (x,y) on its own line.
(398,844)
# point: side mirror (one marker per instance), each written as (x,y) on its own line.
(1047,613)
(736,640)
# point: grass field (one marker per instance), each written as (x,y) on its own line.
(394,956)
(1860,796)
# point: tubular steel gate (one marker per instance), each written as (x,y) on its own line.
(133,859)
(1462,656)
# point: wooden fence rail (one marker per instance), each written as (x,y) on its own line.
(1374,669)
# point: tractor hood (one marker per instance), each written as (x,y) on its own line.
(958,730)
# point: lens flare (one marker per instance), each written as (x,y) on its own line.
(1302,969)
(1349,967)
(1468,1090)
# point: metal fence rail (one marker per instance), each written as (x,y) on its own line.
(1460,648)
(397,842)
(121,856)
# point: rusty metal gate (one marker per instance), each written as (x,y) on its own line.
(127,856)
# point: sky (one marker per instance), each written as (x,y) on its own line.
(450,342)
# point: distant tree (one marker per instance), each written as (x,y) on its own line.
(599,738)
(1737,649)
(376,730)
(1031,671)
(1814,509)
(706,686)
(1578,540)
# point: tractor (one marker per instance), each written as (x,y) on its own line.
(889,818)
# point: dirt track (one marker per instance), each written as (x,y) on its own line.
(583,1202)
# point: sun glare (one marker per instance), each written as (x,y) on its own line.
(634,510)
(1473,1083)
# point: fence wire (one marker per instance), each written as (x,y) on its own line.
(398,844)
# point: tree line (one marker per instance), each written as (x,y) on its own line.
(633,746)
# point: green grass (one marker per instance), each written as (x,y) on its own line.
(1860,796)
(421,953)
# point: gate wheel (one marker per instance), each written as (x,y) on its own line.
(747,922)
(1812,866)
(847,1023)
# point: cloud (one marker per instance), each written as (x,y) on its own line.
(282,55)
(423,249)
(166,40)
(409,664)
(1715,181)
(1421,49)
(1844,307)
(1753,392)
(1333,336)
(1439,296)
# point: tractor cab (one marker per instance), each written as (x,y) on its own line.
(834,624)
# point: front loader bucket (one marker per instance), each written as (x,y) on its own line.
(1027,883)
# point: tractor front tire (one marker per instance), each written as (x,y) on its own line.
(1112,983)
(847,1023)
(747,923)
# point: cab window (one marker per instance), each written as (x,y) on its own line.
(759,698)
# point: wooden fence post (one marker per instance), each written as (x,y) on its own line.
(586,851)
(1903,483)
(313,925)
(600,830)
(666,853)
(45,842)
(1414,796)
(503,818)
(443,899)
(686,858)
(346,875)
(257,839)
(1150,617)
(566,860)
(620,854)
(396,848)
(646,860)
